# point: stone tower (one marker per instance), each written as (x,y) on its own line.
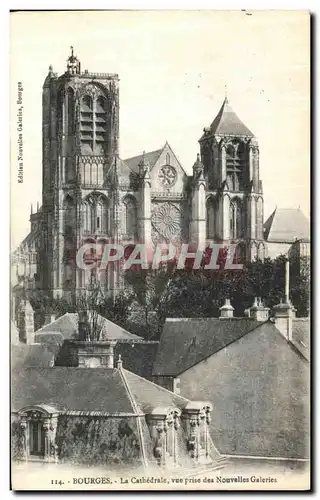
(234,195)
(80,127)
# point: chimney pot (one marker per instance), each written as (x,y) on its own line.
(226,311)
(49,318)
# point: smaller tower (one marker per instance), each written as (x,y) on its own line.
(145,205)
(230,155)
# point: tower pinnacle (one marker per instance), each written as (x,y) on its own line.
(73,64)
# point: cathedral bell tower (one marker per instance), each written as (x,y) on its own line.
(80,127)
(234,197)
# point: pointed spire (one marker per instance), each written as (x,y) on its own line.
(31,209)
(144,165)
(73,64)
(198,165)
(228,123)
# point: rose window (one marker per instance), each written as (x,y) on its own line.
(166,221)
(167,175)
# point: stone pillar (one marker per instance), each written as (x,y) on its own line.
(224,223)
(252,216)
(145,205)
(163,425)
(198,221)
(25,436)
(250,163)
(283,316)
(223,163)
(196,418)
(287,282)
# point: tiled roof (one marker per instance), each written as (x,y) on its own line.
(148,395)
(67,326)
(152,157)
(285,225)
(138,356)
(125,171)
(107,390)
(259,389)
(186,342)
(71,389)
(227,122)
(32,355)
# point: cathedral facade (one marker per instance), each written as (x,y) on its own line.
(91,195)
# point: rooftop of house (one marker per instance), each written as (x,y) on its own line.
(259,389)
(151,157)
(138,356)
(105,390)
(286,225)
(32,355)
(66,328)
(187,341)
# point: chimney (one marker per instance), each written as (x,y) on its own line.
(26,323)
(96,354)
(258,312)
(226,311)
(49,318)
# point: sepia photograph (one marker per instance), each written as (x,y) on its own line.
(160,250)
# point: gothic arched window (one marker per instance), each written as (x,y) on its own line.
(100,125)
(259,218)
(210,219)
(87,209)
(130,216)
(235,217)
(241,253)
(235,163)
(168,159)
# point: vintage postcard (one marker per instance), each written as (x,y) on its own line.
(160,250)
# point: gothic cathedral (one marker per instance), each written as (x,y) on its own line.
(89,194)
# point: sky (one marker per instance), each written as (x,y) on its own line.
(174,67)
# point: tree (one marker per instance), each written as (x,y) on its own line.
(87,307)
